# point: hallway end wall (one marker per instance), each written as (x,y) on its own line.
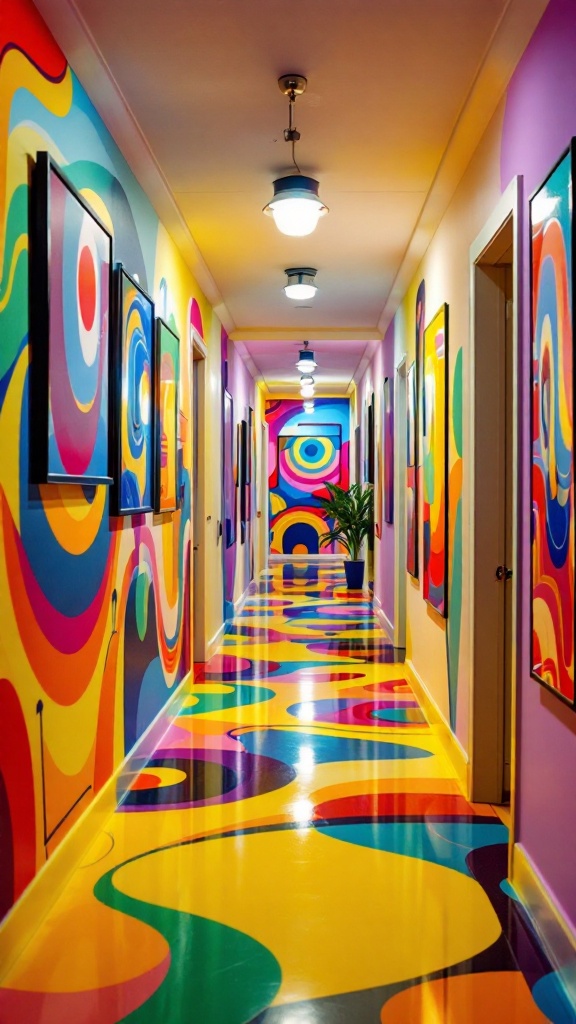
(305,451)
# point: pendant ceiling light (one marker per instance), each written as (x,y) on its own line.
(307,386)
(306,363)
(308,405)
(301,284)
(296,206)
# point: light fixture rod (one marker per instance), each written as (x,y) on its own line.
(292,86)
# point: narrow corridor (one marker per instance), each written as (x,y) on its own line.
(297,850)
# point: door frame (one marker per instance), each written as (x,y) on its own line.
(263,514)
(486,711)
(400,413)
(198,354)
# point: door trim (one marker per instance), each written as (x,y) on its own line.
(486,736)
(400,412)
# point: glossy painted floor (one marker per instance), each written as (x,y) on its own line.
(297,851)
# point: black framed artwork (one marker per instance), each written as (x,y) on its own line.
(132,383)
(71,285)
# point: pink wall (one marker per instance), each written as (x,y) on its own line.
(539,121)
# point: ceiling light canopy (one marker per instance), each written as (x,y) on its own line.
(296,206)
(300,283)
(306,363)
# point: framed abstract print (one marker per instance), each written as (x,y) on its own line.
(388,439)
(552,473)
(435,448)
(167,375)
(370,441)
(411,473)
(132,378)
(243,469)
(228,475)
(71,276)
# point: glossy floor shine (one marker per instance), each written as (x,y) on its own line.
(297,851)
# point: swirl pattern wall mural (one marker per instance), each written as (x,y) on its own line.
(306,451)
(93,611)
(552,432)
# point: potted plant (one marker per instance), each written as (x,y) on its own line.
(352,514)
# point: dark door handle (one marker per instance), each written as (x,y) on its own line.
(503,573)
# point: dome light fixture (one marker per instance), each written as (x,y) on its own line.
(301,284)
(306,363)
(307,389)
(296,206)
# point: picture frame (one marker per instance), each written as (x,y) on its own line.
(166,404)
(552,255)
(435,460)
(388,441)
(132,374)
(71,285)
(412,470)
(370,441)
(228,474)
(243,468)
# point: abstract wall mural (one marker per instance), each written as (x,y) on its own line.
(92,611)
(455,553)
(552,237)
(167,358)
(306,451)
(435,461)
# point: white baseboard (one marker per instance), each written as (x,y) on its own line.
(23,918)
(385,621)
(451,744)
(551,927)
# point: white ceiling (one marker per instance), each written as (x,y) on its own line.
(399,94)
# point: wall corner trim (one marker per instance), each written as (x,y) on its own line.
(552,929)
(241,601)
(22,920)
(381,615)
(213,644)
(452,747)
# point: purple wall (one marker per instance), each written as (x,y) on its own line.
(540,119)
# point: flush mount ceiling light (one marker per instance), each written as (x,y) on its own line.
(306,363)
(301,283)
(296,206)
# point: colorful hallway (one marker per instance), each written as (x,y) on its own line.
(296,849)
